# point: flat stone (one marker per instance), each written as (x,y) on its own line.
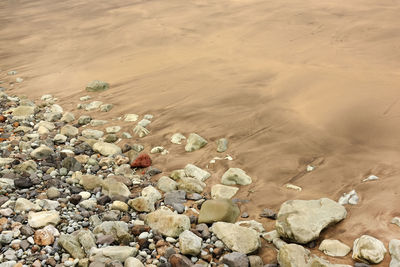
(194,142)
(69,130)
(235,176)
(191,185)
(189,243)
(106,149)
(303,220)
(90,182)
(119,253)
(219,191)
(166,184)
(334,248)
(23,204)
(43,218)
(97,86)
(42,152)
(93,105)
(218,210)
(133,262)
(195,172)
(131,117)
(71,244)
(167,222)
(23,111)
(92,134)
(117,229)
(177,138)
(115,190)
(222,145)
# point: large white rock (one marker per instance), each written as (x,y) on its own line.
(189,243)
(394,249)
(235,176)
(43,218)
(106,149)
(167,222)
(219,191)
(195,172)
(334,248)
(237,238)
(303,220)
(368,249)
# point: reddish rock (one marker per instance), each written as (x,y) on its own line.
(43,237)
(138,229)
(178,260)
(142,161)
(3,118)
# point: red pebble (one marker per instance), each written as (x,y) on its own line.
(2,118)
(142,161)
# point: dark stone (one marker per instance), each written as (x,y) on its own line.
(126,148)
(169,252)
(21,183)
(236,259)
(75,189)
(103,200)
(178,260)
(143,243)
(153,171)
(71,164)
(75,199)
(204,230)
(26,230)
(138,229)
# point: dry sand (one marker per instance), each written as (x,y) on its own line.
(287,82)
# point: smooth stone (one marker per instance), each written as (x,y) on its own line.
(106,107)
(97,86)
(71,244)
(115,190)
(93,105)
(194,142)
(23,204)
(131,117)
(368,249)
(90,182)
(23,111)
(106,149)
(166,184)
(141,204)
(167,222)
(68,117)
(235,176)
(218,210)
(236,259)
(117,229)
(303,220)
(196,172)
(177,138)
(119,253)
(189,243)
(237,238)
(69,131)
(92,134)
(191,185)
(394,249)
(43,218)
(219,191)
(133,262)
(113,129)
(42,152)
(334,248)
(222,145)
(119,205)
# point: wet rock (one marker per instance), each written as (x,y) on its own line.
(303,220)
(237,238)
(220,191)
(218,210)
(167,222)
(368,249)
(189,243)
(97,86)
(235,176)
(334,248)
(194,142)
(235,259)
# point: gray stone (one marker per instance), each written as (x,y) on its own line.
(106,107)
(119,253)
(42,152)
(116,229)
(222,145)
(166,184)
(194,142)
(71,244)
(235,259)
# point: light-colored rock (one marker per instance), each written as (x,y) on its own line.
(69,130)
(133,262)
(141,204)
(131,117)
(195,172)
(92,134)
(270,236)
(71,244)
(95,123)
(219,191)
(177,138)
(68,117)
(303,220)
(119,253)
(218,210)
(43,218)
(119,205)
(42,152)
(167,222)
(106,149)
(90,182)
(113,129)
(334,248)
(189,243)
(84,119)
(253,225)
(115,190)
(23,111)
(93,105)
(191,185)
(28,166)
(6,161)
(237,238)
(151,193)
(349,198)
(106,107)
(88,204)
(23,204)
(368,249)
(293,187)
(194,142)
(166,184)
(293,255)
(396,221)
(394,249)
(118,229)
(222,145)
(97,86)
(235,176)
(159,149)
(60,139)
(141,131)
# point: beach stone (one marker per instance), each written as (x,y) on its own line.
(113,129)
(235,176)
(167,222)
(177,174)
(60,139)
(43,237)
(87,240)
(141,204)
(191,185)
(194,142)
(106,107)
(219,191)
(71,164)
(69,130)
(119,205)
(6,237)
(23,111)
(218,210)
(110,138)
(178,260)
(195,172)
(151,193)
(43,218)
(131,117)
(97,86)
(141,131)
(303,220)
(84,119)
(88,204)
(189,243)
(90,182)
(334,248)
(177,138)
(255,261)
(116,229)
(71,244)
(42,152)
(368,249)
(28,166)
(92,134)
(52,116)
(23,204)
(106,149)
(175,197)
(95,123)
(293,255)
(52,193)
(166,184)
(253,225)
(22,183)
(119,253)
(394,249)
(235,259)
(5,161)
(141,161)
(93,105)
(133,262)
(68,117)
(115,190)
(237,238)
(222,145)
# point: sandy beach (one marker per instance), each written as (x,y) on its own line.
(288,83)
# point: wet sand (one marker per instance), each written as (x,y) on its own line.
(289,83)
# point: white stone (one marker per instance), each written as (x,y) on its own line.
(131,117)
(177,138)
(235,176)
(189,243)
(350,198)
(43,218)
(219,191)
(368,249)
(394,249)
(334,248)
(195,172)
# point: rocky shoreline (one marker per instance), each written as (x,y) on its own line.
(70,195)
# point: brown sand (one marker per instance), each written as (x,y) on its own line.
(287,82)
